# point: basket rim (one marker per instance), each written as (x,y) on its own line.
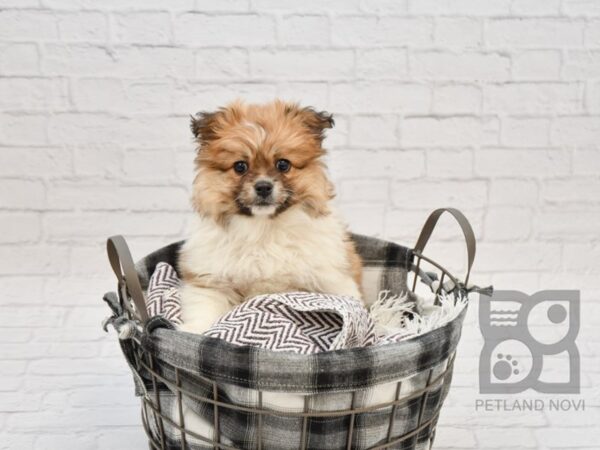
(345,369)
(405,255)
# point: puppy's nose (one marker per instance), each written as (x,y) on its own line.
(263,188)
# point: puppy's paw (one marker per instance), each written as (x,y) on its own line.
(201,308)
(196,326)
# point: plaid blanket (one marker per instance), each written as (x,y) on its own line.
(283,382)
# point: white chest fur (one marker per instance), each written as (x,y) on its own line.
(258,255)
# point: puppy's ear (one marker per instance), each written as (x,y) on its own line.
(207,125)
(317,121)
(203,126)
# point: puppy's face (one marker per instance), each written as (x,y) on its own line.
(259,160)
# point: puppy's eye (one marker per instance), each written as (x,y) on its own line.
(283,165)
(240,167)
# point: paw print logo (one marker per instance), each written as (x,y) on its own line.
(525,334)
(505,367)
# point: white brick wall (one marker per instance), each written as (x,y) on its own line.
(491,106)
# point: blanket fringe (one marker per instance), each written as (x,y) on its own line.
(397,318)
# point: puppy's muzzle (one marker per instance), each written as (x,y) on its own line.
(263,189)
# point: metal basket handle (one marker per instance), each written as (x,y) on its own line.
(465,226)
(129,283)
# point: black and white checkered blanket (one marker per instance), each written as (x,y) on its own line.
(289,382)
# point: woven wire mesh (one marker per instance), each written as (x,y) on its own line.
(156,419)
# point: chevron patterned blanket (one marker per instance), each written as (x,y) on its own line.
(298,322)
(162,296)
(305,322)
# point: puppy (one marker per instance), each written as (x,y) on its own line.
(265,223)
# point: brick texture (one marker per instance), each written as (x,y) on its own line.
(491,106)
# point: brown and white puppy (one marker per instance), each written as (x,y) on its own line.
(265,223)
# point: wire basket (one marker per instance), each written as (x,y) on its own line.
(199,392)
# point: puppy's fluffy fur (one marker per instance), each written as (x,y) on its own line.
(245,243)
